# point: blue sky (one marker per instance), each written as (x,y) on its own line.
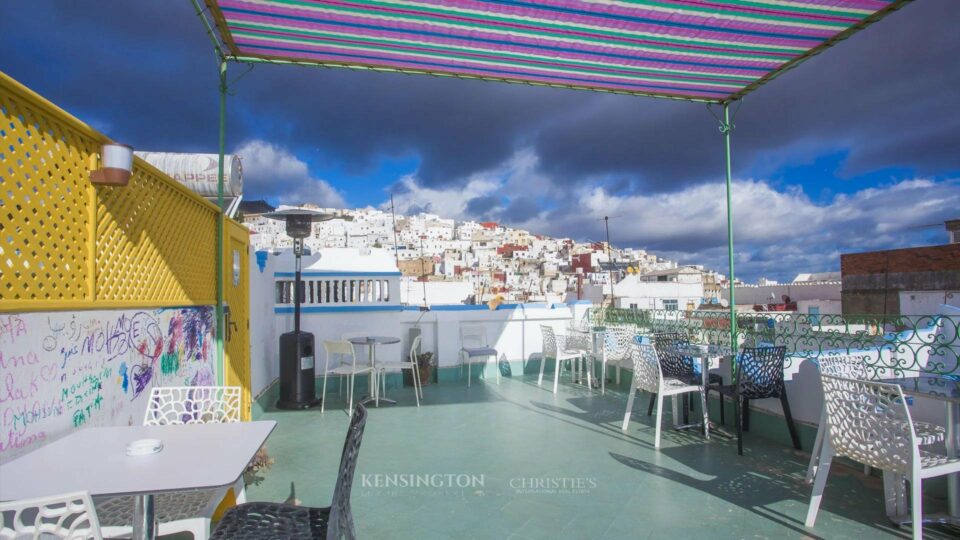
(857,149)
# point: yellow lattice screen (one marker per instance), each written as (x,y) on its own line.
(45,203)
(65,243)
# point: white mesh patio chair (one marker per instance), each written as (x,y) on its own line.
(69,516)
(474,347)
(557,347)
(648,376)
(617,340)
(183,511)
(870,423)
(851,366)
(345,354)
(410,364)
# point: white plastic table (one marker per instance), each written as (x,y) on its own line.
(197,456)
(371,342)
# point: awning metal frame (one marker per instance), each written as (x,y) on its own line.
(226,51)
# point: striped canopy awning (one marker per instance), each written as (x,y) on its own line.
(703,50)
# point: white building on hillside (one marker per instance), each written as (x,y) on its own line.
(636,293)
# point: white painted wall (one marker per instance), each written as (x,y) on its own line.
(927,302)
(62,371)
(651,294)
(753,294)
(514,332)
(827,307)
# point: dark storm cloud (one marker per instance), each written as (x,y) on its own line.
(481,206)
(889,94)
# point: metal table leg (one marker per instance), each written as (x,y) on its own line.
(144,518)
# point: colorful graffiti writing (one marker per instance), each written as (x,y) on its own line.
(71,370)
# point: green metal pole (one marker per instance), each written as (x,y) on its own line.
(726,128)
(220,222)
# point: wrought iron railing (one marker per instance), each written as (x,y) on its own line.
(890,345)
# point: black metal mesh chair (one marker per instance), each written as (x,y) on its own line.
(758,374)
(266,520)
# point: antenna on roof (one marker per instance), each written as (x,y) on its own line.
(396,254)
(606,224)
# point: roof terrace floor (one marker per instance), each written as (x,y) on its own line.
(510,449)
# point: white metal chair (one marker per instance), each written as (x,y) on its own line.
(411,364)
(870,423)
(617,340)
(188,511)
(557,347)
(68,516)
(648,376)
(852,366)
(345,350)
(474,344)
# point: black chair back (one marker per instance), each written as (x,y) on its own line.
(759,372)
(672,363)
(341,515)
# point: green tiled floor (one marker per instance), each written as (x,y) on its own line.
(510,436)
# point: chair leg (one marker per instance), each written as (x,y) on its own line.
(893,493)
(687,407)
(723,405)
(737,404)
(819,482)
(556,377)
(817,445)
(916,505)
(469,372)
(674,409)
(543,361)
(789,417)
(745,411)
(603,377)
(653,401)
(588,367)
(350,393)
(416,383)
(323,394)
(706,415)
(659,420)
(630,398)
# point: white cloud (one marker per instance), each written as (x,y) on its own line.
(273,171)
(778,231)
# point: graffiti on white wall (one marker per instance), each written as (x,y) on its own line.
(63,371)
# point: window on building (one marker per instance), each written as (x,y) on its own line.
(670,305)
(661,278)
(633,306)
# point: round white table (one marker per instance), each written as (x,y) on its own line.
(371,342)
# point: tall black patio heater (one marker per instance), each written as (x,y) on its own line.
(297,372)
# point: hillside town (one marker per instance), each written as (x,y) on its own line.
(450,261)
